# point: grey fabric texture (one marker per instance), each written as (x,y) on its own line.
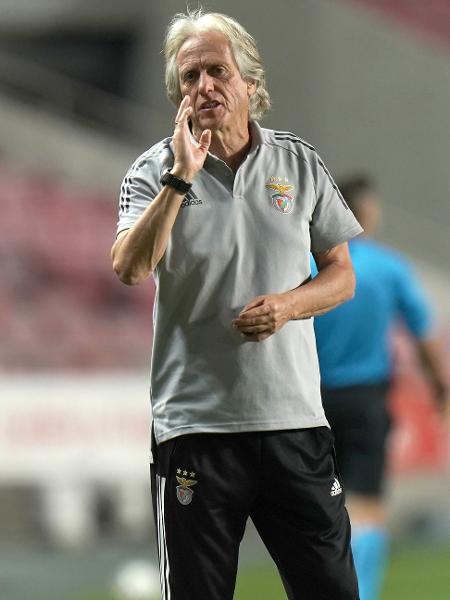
(237,236)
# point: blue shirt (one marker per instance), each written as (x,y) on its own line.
(353,340)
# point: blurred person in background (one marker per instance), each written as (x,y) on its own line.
(356,365)
(224,213)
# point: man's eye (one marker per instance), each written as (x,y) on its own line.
(189,76)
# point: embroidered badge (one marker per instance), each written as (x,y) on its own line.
(281,200)
(184,492)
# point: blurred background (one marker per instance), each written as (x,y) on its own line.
(81,96)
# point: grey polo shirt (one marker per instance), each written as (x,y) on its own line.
(237,236)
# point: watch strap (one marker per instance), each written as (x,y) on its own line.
(176,182)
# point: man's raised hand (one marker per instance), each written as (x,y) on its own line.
(189,157)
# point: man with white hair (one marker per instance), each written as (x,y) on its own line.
(224,214)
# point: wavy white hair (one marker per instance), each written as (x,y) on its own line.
(243,46)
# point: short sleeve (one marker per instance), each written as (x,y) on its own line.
(141,185)
(332,221)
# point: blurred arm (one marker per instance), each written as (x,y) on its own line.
(432,358)
(416,312)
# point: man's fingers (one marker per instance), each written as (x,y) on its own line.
(256,302)
(205,140)
(254,329)
(246,321)
(183,118)
(253,312)
(183,104)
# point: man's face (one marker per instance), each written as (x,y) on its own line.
(210,76)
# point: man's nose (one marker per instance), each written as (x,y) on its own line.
(206,83)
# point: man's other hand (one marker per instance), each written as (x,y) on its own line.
(263,316)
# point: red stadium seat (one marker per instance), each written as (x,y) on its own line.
(61,306)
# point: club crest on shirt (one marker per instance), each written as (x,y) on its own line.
(184,492)
(282,201)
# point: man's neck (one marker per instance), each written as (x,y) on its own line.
(231,146)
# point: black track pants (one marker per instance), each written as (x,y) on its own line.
(204,488)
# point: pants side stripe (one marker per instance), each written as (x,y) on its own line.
(160,538)
(169,595)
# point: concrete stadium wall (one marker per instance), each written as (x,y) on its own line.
(40,140)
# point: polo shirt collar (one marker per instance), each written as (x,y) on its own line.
(257,137)
(255,133)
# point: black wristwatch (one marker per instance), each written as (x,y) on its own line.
(179,184)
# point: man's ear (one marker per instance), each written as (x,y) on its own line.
(251,88)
